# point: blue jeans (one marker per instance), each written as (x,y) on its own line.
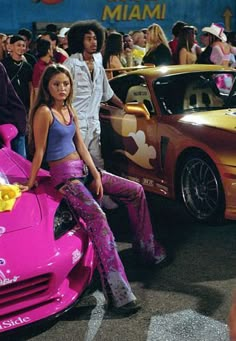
(18,145)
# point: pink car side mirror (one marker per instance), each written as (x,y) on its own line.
(7,133)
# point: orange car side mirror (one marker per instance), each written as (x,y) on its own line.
(137,109)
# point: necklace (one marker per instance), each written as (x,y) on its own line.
(18,63)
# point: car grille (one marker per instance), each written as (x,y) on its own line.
(18,292)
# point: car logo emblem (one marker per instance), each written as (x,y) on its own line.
(2,261)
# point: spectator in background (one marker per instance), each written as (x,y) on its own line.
(173,44)
(7,46)
(206,40)
(221,50)
(158,51)
(19,70)
(144,30)
(138,50)
(3,38)
(12,111)
(127,55)
(186,54)
(27,34)
(59,55)
(52,28)
(45,55)
(112,54)
(63,41)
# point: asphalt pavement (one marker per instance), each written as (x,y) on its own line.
(187,300)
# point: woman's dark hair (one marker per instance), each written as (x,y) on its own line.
(42,47)
(186,38)
(177,27)
(52,28)
(26,33)
(113,47)
(51,35)
(77,32)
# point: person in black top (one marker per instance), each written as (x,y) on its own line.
(12,111)
(19,70)
(27,35)
(158,51)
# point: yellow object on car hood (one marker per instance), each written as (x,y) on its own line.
(8,195)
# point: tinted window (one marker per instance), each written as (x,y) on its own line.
(197,91)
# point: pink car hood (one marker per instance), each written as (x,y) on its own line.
(27,211)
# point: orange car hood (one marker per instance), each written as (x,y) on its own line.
(221,119)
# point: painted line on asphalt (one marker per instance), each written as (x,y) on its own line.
(96,316)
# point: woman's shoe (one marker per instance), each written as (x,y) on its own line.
(125,310)
(160,259)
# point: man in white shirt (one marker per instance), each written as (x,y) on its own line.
(91,86)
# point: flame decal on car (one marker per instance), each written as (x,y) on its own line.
(127,127)
(144,152)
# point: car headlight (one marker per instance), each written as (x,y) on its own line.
(64,220)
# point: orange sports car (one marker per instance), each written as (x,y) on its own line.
(176,135)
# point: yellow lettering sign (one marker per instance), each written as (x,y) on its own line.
(110,14)
(158,12)
(135,12)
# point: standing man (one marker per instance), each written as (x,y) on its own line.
(91,86)
(19,70)
(27,35)
(45,55)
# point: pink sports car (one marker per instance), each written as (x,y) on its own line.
(46,259)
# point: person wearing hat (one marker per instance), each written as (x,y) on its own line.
(220,50)
(62,39)
(19,70)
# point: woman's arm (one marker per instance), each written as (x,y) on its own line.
(41,123)
(183,56)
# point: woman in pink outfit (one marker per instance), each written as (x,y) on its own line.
(221,51)
(56,136)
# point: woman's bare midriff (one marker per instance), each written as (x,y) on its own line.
(72,156)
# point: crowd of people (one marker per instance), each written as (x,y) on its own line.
(52,89)
(25,60)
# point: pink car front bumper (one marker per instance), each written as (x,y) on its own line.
(39,283)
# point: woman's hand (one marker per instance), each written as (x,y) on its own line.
(26,187)
(96,187)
